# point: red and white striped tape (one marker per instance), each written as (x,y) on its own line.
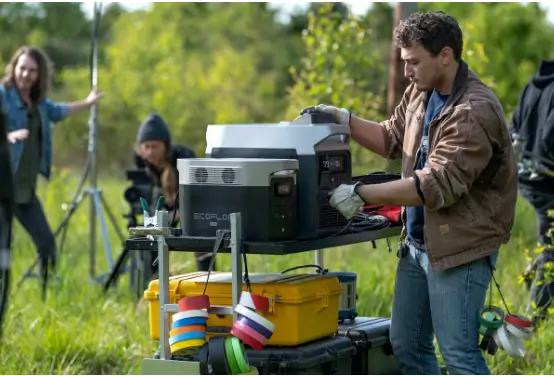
(189,303)
(254,301)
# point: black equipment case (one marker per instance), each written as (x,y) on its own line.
(374,354)
(328,356)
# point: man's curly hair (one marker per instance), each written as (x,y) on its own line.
(433,30)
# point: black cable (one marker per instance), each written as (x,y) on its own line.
(246,276)
(320,270)
(369,222)
(362,222)
(493,278)
(220,235)
(175,207)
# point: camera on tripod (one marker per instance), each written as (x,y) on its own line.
(141,187)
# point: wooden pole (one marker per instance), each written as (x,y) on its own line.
(397,82)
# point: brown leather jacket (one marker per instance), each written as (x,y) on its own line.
(469,183)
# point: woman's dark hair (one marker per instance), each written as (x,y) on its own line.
(164,176)
(433,30)
(40,89)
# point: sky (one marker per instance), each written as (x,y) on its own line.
(357,7)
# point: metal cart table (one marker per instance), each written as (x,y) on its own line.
(163,242)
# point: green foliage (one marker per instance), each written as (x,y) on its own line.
(511,39)
(206,75)
(335,71)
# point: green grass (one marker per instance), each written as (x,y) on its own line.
(81,331)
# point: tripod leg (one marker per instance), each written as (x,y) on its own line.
(111,217)
(119,268)
(98,204)
(112,278)
(28,273)
(132,270)
(77,199)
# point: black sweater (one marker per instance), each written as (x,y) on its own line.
(533,120)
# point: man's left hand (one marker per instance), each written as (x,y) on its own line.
(346,200)
(94,97)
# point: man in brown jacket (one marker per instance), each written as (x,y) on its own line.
(458,190)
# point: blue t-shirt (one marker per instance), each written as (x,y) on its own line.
(414,215)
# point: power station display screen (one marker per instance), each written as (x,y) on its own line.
(332,163)
(282,189)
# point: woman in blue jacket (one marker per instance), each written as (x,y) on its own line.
(28,114)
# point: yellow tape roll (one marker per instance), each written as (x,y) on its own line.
(190,346)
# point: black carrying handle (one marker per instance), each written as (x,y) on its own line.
(320,270)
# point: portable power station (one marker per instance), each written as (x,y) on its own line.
(262,190)
(323,153)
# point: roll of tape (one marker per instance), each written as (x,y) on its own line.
(186,322)
(217,357)
(244,337)
(241,310)
(240,355)
(186,329)
(254,325)
(492,347)
(251,332)
(487,343)
(519,321)
(203,359)
(190,303)
(490,317)
(488,321)
(187,347)
(190,314)
(230,354)
(187,337)
(254,302)
(510,343)
(519,332)
(484,342)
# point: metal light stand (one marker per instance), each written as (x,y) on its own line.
(97,201)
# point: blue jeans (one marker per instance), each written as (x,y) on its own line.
(442,303)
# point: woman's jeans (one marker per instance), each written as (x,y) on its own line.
(33,219)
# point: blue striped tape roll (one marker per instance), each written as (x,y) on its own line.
(189,321)
(255,326)
(186,336)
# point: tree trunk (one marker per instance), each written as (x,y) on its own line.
(397,81)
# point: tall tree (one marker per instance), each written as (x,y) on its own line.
(397,81)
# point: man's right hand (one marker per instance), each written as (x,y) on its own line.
(18,135)
(341,115)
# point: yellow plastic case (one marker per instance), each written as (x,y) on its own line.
(303,307)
